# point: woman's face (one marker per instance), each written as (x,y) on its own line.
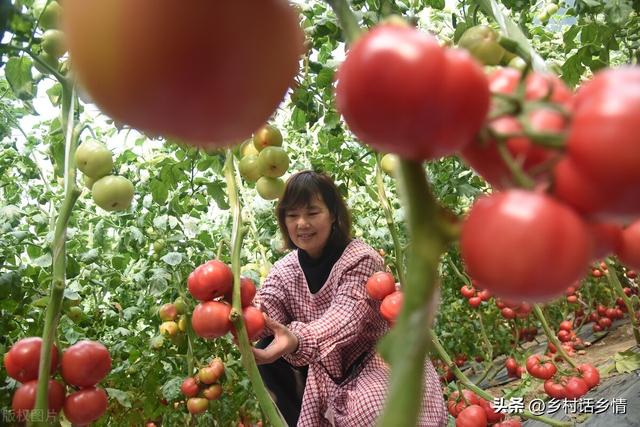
(309,226)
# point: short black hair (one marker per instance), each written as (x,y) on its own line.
(301,189)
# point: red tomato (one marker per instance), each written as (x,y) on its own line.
(537,86)
(603,141)
(211,319)
(400,92)
(189,387)
(86,405)
(247,292)
(607,238)
(484,295)
(24,399)
(629,251)
(23,358)
(253,321)
(555,390)
(455,403)
(381,284)
(632,274)
(604,322)
(492,415)
(391,306)
(211,73)
(512,422)
(575,388)
(511,365)
(210,280)
(467,292)
(602,310)
(475,302)
(590,374)
(540,367)
(508,313)
(472,416)
(566,325)
(85,363)
(508,237)
(572,299)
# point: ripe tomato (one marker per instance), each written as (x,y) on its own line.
(87,405)
(484,295)
(168,312)
(564,336)
(218,367)
(22,359)
(210,73)
(512,422)
(607,238)
(247,292)
(492,415)
(455,403)
(629,251)
(197,405)
(467,292)
(540,368)
(189,387)
(253,321)
(604,322)
(555,390)
(391,306)
(511,365)
(85,363)
(475,302)
(24,399)
(590,374)
(508,236)
(210,280)
(537,86)
(213,392)
(472,416)
(602,141)
(381,284)
(566,325)
(400,92)
(211,319)
(575,388)
(508,313)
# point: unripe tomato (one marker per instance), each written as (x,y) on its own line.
(218,366)
(213,392)
(381,284)
(270,188)
(391,306)
(94,159)
(400,92)
(112,193)
(482,42)
(210,73)
(249,169)
(23,359)
(85,363)
(267,136)
(509,236)
(389,164)
(211,319)
(207,375)
(168,312)
(169,328)
(24,399)
(273,162)
(210,280)
(181,305)
(189,387)
(53,43)
(50,17)
(86,405)
(197,405)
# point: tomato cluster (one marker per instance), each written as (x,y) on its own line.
(174,322)
(211,283)
(82,366)
(473,296)
(471,410)
(203,387)
(382,286)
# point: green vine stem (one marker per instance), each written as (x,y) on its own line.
(56,290)
(519,175)
(551,336)
(407,345)
(347,19)
(614,282)
(458,273)
(264,399)
(388,214)
(480,392)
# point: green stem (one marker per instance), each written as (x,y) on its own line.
(388,214)
(615,284)
(56,290)
(248,361)
(521,178)
(461,276)
(480,392)
(409,342)
(551,336)
(347,19)
(485,339)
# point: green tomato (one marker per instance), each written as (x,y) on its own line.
(113,193)
(75,314)
(389,164)
(482,42)
(273,162)
(551,9)
(270,188)
(181,305)
(158,245)
(249,169)
(49,60)
(50,17)
(518,63)
(156,342)
(247,149)
(94,159)
(53,43)
(267,136)
(88,182)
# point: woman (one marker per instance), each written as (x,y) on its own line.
(322,318)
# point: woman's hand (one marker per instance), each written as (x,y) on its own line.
(284,342)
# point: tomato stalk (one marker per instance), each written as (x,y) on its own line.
(56,289)
(520,176)
(617,287)
(248,361)
(551,336)
(461,276)
(480,392)
(406,346)
(347,19)
(388,214)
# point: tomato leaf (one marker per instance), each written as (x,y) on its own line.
(18,73)
(122,397)
(627,361)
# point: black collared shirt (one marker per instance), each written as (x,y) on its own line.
(317,271)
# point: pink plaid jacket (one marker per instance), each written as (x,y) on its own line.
(335,326)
